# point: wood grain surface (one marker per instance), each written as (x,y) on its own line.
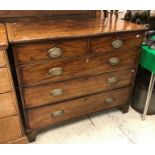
(41,95)
(87,46)
(3,37)
(7,105)
(42,117)
(104,44)
(39,51)
(5,85)
(10,129)
(2,59)
(68,28)
(39,13)
(89,65)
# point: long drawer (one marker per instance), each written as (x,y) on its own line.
(5,81)
(7,105)
(26,53)
(116,42)
(48,115)
(10,129)
(63,70)
(55,92)
(2,59)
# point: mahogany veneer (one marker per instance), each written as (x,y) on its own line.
(42,117)
(68,68)
(26,32)
(75,88)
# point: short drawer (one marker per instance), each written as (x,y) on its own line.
(115,42)
(2,59)
(50,115)
(7,105)
(63,70)
(50,50)
(9,129)
(55,92)
(4,80)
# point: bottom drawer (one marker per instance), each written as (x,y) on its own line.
(48,115)
(9,129)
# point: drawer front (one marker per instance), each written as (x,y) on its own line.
(5,81)
(53,114)
(55,92)
(9,129)
(51,50)
(2,59)
(7,105)
(63,70)
(115,42)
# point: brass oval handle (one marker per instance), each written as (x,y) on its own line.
(117,43)
(109,100)
(55,71)
(55,52)
(57,113)
(57,92)
(112,80)
(114,61)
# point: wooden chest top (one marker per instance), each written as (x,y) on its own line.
(67,28)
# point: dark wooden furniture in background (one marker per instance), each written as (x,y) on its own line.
(29,15)
(11,130)
(70,68)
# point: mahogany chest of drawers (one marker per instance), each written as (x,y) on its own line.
(11,130)
(70,68)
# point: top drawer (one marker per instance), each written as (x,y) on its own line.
(116,42)
(2,59)
(50,50)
